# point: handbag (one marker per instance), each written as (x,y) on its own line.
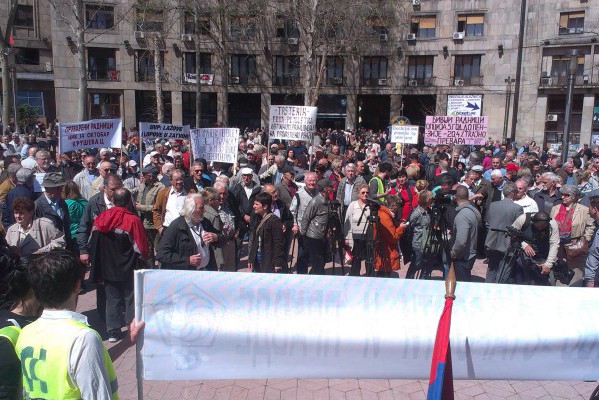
(576,247)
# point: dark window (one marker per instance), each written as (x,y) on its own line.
(190,63)
(208,109)
(420,68)
(145,106)
(28,56)
(286,70)
(33,98)
(145,67)
(467,69)
(24,17)
(149,21)
(556,104)
(243,28)
(424,27)
(101,64)
(99,17)
(105,105)
(373,69)
(243,68)
(286,28)
(472,24)
(571,22)
(560,68)
(334,73)
(190,26)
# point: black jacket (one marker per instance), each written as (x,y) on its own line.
(94,206)
(177,245)
(244,204)
(43,209)
(272,240)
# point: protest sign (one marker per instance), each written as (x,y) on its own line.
(455,130)
(215,144)
(404,134)
(212,325)
(154,130)
(87,134)
(292,122)
(464,105)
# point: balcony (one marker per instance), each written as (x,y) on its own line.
(466,81)
(419,82)
(104,75)
(150,76)
(554,81)
(285,81)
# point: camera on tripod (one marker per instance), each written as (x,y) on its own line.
(334,206)
(442,199)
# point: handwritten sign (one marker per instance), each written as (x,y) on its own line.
(215,144)
(455,130)
(292,122)
(404,134)
(150,130)
(88,134)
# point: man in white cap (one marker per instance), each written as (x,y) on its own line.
(131,177)
(244,193)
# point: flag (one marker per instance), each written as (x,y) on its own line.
(11,40)
(440,382)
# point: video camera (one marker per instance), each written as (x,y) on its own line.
(443,199)
(334,205)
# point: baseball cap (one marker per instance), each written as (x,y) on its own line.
(478,168)
(246,171)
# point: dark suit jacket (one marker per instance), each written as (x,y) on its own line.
(43,209)
(500,215)
(272,240)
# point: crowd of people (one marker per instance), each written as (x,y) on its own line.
(350,199)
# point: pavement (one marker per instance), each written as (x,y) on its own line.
(320,389)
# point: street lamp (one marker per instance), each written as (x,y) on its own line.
(508,100)
(571,79)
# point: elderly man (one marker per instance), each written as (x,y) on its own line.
(298,206)
(522,199)
(550,194)
(244,193)
(346,192)
(274,173)
(146,197)
(10,181)
(85,178)
(51,205)
(287,188)
(169,202)
(29,160)
(186,242)
(229,228)
(104,168)
(42,167)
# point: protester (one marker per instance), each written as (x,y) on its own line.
(387,233)
(75,205)
(355,228)
(314,225)
(267,243)
(419,223)
(146,198)
(465,228)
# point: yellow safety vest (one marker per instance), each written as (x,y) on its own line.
(11,332)
(380,188)
(43,348)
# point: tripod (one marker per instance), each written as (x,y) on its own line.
(369,235)
(434,245)
(335,235)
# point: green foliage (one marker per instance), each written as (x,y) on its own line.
(27,115)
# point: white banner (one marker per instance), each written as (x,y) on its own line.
(215,144)
(404,134)
(215,325)
(205,79)
(154,130)
(87,134)
(292,122)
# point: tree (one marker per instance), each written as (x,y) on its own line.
(5,45)
(27,115)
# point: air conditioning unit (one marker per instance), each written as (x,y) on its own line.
(545,81)
(140,35)
(235,80)
(187,37)
(412,82)
(551,117)
(458,36)
(383,37)
(338,80)
(292,41)
(416,3)
(545,74)
(458,82)
(48,66)
(411,36)
(382,82)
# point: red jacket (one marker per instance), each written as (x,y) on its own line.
(123,221)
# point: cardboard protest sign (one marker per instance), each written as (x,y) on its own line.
(215,144)
(292,122)
(88,134)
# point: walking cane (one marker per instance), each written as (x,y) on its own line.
(292,250)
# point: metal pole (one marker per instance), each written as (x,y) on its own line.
(518,69)
(566,134)
(14,97)
(508,100)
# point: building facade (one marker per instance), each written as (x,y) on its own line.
(412,60)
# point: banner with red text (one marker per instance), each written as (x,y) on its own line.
(87,134)
(292,122)
(455,130)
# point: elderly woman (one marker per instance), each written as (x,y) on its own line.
(354,233)
(29,235)
(574,223)
(419,222)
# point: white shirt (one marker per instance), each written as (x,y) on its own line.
(109,204)
(174,204)
(29,162)
(528,204)
(248,190)
(196,232)
(86,365)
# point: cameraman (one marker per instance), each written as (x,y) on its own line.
(540,245)
(591,278)
(314,226)
(465,234)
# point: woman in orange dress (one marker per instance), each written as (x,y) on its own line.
(386,237)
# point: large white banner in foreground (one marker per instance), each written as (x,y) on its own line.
(215,325)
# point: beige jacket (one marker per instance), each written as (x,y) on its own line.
(42,237)
(582,223)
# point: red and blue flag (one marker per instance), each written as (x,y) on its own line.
(440,383)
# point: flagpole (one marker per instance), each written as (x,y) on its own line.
(450,283)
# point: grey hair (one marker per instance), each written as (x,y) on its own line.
(42,153)
(189,205)
(168,168)
(24,175)
(551,176)
(572,190)
(279,159)
(509,188)
(336,163)
(224,179)
(350,166)
(497,172)
(178,171)
(218,184)
(13,168)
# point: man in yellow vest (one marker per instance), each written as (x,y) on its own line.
(376,186)
(61,356)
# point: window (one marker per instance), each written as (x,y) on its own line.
(101,64)
(33,98)
(286,70)
(189,60)
(420,70)
(334,73)
(571,22)
(334,31)
(243,68)
(373,70)
(286,28)
(423,27)
(556,104)
(99,17)
(145,67)
(471,25)
(243,28)
(560,66)
(104,105)
(149,21)
(377,26)
(28,56)
(467,70)
(190,26)
(24,17)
